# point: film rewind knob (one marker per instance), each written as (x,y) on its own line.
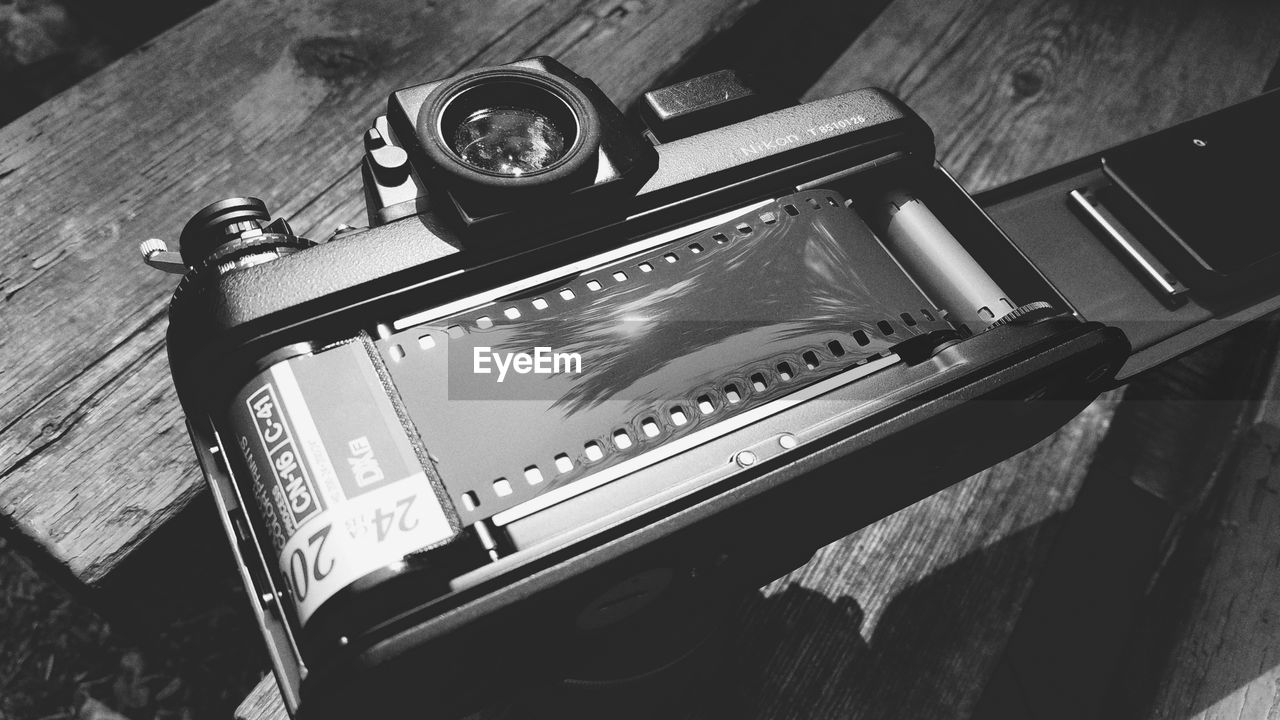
(229,234)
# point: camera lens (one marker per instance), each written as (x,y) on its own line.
(509,141)
(509,127)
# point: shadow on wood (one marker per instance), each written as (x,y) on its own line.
(800,654)
(1166,447)
(1206,645)
(793,652)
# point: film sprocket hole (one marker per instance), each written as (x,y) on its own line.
(577,386)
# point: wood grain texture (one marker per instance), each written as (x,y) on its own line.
(263,703)
(1207,647)
(1224,657)
(264,98)
(1011,87)
(1167,445)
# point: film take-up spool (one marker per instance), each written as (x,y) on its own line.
(945,271)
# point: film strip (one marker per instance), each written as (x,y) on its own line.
(550,385)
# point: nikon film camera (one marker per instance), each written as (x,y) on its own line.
(579,386)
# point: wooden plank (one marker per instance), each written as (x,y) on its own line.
(246,97)
(1077,624)
(263,703)
(1012,87)
(908,617)
(1207,647)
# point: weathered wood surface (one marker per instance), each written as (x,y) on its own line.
(1011,86)
(908,617)
(263,703)
(1163,455)
(1207,647)
(244,98)
(904,618)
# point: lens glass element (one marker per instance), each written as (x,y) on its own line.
(509,141)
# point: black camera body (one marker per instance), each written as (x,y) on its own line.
(787,324)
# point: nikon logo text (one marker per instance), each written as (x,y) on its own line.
(540,362)
(764,147)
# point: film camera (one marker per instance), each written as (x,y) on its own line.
(577,386)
